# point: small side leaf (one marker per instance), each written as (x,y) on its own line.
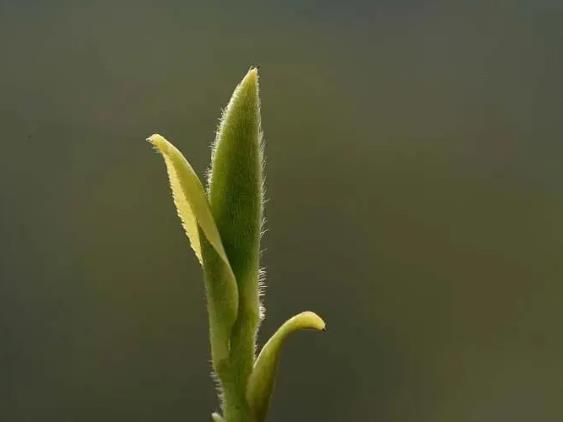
(194,211)
(189,197)
(174,160)
(261,381)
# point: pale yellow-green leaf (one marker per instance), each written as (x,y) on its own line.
(261,381)
(194,211)
(182,205)
(189,197)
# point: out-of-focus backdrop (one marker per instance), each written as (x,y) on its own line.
(414,175)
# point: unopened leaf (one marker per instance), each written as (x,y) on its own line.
(235,198)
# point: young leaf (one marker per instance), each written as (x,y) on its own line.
(261,381)
(193,209)
(235,197)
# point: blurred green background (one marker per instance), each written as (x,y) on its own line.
(414,180)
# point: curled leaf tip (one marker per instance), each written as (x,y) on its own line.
(261,382)
(156,139)
(308,319)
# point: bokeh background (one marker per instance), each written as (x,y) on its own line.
(415,200)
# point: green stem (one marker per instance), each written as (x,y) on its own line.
(241,361)
(235,404)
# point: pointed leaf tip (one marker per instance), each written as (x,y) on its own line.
(261,382)
(251,75)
